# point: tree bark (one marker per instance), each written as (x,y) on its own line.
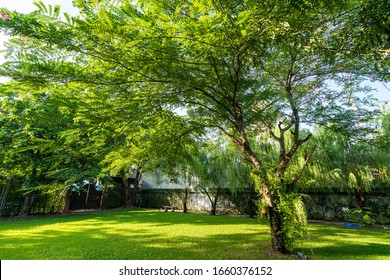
(184,200)
(103,199)
(28,203)
(67,199)
(86,199)
(361,197)
(250,197)
(214,203)
(3,195)
(277,235)
(125,190)
(134,191)
(29,200)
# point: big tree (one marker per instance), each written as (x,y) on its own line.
(33,123)
(245,68)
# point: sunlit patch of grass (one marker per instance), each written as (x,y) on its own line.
(336,242)
(150,234)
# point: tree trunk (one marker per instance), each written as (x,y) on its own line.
(213,211)
(184,199)
(361,197)
(277,235)
(67,199)
(134,191)
(86,199)
(28,203)
(214,203)
(250,197)
(103,199)
(3,195)
(29,200)
(125,190)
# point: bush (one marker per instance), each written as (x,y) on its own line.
(366,216)
(114,198)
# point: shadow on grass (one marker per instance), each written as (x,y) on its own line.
(336,242)
(368,251)
(135,215)
(135,234)
(139,234)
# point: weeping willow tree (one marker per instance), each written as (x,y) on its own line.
(347,164)
(212,167)
(242,181)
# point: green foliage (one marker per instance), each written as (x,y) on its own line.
(114,197)
(257,71)
(368,217)
(383,216)
(294,224)
(292,217)
(346,164)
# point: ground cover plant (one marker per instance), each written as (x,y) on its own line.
(151,234)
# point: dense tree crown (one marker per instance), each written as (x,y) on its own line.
(260,72)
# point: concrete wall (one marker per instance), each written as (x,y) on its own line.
(333,206)
(319,206)
(196,202)
(157,190)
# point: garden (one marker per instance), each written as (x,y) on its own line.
(265,124)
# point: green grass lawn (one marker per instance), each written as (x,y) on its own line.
(149,234)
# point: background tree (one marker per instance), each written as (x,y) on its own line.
(212,168)
(343,163)
(45,162)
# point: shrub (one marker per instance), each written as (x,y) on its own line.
(367,216)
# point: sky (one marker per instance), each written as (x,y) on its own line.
(26,6)
(382,91)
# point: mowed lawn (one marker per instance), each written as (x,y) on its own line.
(141,234)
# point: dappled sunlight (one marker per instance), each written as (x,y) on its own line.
(338,242)
(130,234)
(25,245)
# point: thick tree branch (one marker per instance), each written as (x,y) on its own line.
(307,159)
